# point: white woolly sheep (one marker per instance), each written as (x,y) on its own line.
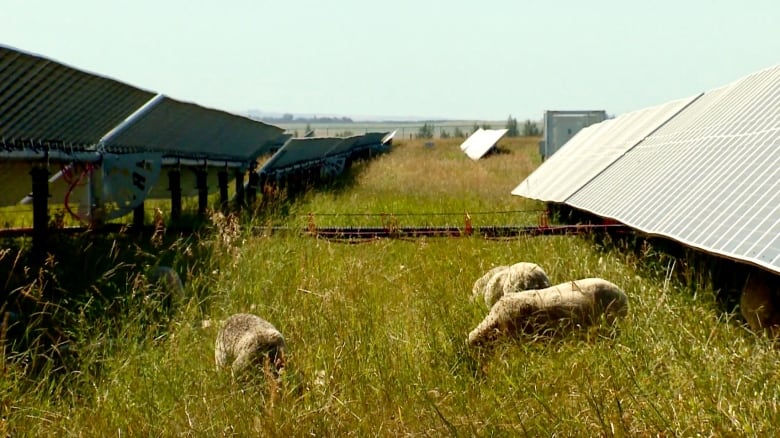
(515,278)
(479,285)
(759,303)
(246,340)
(580,302)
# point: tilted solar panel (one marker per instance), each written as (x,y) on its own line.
(299,151)
(592,150)
(710,177)
(481,141)
(187,130)
(45,103)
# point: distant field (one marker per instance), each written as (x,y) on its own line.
(404,130)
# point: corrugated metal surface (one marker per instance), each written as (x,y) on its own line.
(42,101)
(592,150)
(481,141)
(187,130)
(709,178)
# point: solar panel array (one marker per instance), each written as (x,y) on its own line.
(312,151)
(44,104)
(708,177)
(79,123)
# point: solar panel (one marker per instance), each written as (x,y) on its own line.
(300,150)
(481,141)
(709,177)
(187,130)
(47,104)
(592,150)
(350,144)
(54,112)
(471,139)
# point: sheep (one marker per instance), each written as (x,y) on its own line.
(515,278)
(759,303)
(481,283)
(581,302)
(246,340)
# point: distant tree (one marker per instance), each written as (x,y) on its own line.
(425,131)
(486,126)
(458,133)
(444,134)
(475,128)
(531,129)
(511,127)
(287,117)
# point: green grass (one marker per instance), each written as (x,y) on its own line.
(376,331)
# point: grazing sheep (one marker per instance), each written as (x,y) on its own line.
(759,303)
(246,340)
(518,277)
(580,302)
(481,283)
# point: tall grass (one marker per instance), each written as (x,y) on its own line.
(376,332)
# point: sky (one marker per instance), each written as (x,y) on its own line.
(434,59)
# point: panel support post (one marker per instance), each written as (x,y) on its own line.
(251,187)
(40,201)
(222,181)
(201,184)
(138,217)
(239,189)
(174,185)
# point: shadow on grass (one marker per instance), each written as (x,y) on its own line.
(664,259)
(92,285)
(88,288)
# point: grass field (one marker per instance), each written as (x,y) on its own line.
(376,331)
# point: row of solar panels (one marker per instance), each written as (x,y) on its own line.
(703,170)
(48,106)
(300,153)
(50,112)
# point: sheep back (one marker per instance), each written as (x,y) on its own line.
(479,285)
(245,340)
(581,302)
(515,278)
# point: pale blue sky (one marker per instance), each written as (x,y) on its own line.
(440,59)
